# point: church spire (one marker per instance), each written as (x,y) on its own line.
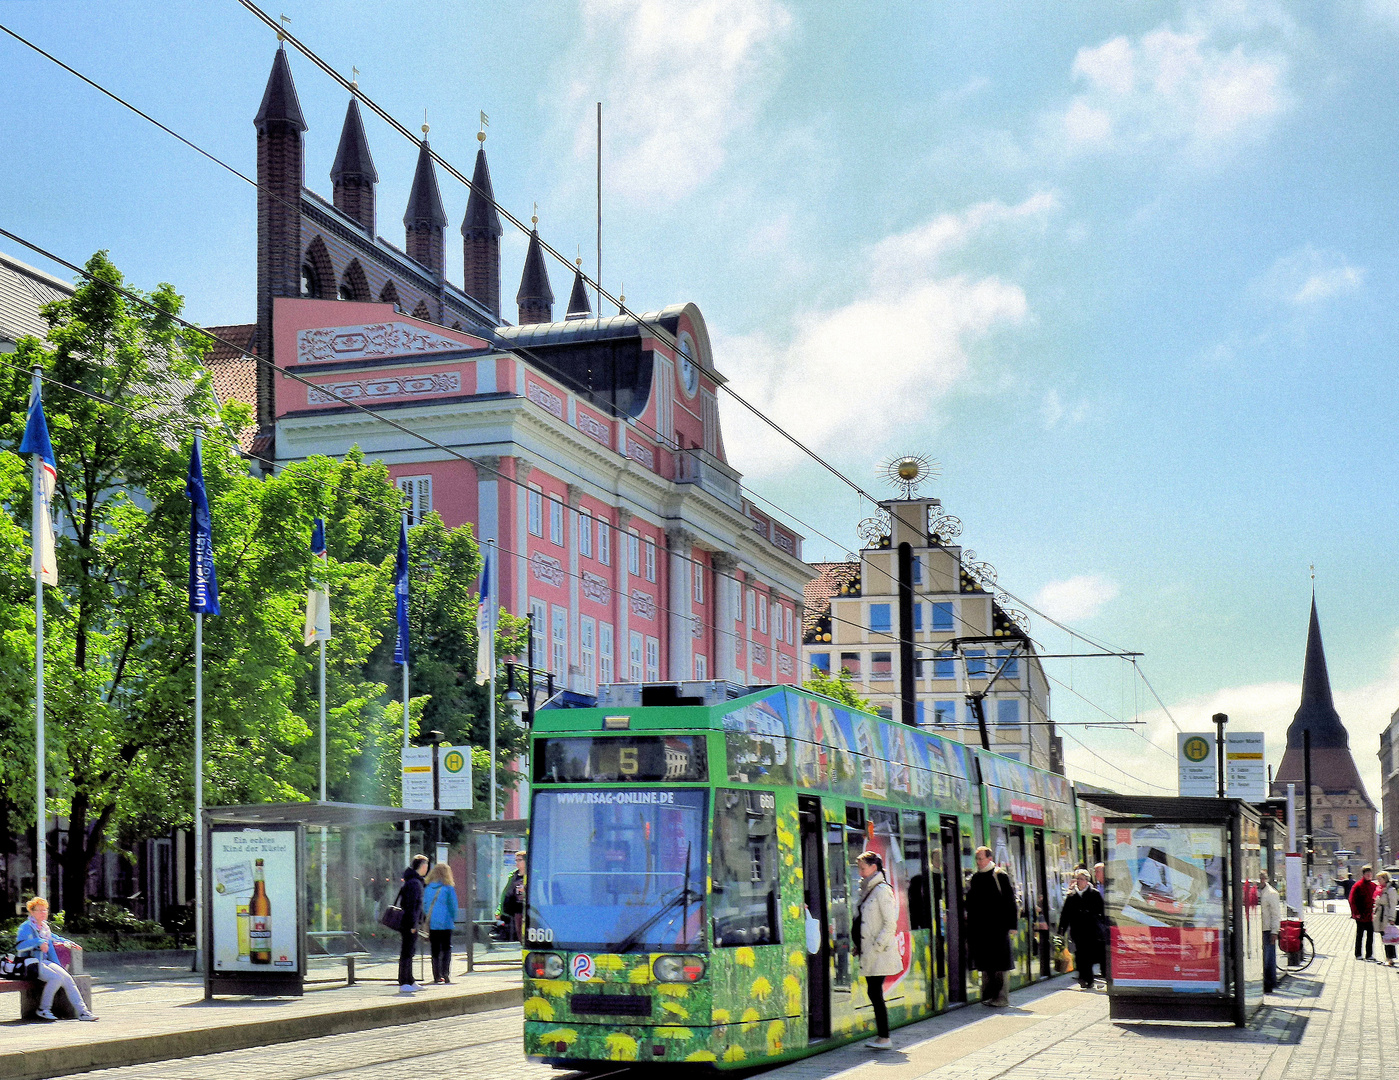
(480,232)
(1317,711)
(578,306)
(279,100)
(535,298)
(353,174)
(425,219)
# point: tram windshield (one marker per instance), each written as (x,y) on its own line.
(617,871)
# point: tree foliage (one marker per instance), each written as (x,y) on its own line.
(840,687)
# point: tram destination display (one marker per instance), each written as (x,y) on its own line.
(254,917)
(640,759)
(1166,901)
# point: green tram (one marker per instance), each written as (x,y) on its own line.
(691,874)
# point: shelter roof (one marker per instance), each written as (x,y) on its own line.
(315,813)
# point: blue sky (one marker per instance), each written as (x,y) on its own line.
(1127,272)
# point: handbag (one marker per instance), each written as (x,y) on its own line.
(13,966)
(426,923)
(392,916)
(1390,935)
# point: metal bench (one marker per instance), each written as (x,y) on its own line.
(324,938)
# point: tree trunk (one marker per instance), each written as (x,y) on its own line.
(75,859)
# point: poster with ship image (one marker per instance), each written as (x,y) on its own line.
(253,874)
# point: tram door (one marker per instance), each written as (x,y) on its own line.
(818,971)
(949,911)
(1041,909)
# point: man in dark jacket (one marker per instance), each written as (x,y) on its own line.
(1362,910)
(1082,917)
(410,899)
(991,915)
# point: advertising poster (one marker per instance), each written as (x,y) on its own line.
(254,876)
(1166,902)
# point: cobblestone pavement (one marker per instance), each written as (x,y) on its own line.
(1334,1021)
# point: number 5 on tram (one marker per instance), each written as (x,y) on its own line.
(691,881)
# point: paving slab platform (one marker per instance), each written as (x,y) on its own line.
(162,1018)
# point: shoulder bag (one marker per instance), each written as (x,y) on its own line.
(13,966)
(392,916)
(426,924)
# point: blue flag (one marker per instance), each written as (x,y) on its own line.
(203,586)
(400,592)
(44,564)
(485,640)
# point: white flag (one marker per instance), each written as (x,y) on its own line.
(317,597)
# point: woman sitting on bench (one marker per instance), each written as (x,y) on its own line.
(36,940)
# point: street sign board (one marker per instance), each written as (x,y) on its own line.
(417,778)
(1195,753)
(1245,775)
(454,777)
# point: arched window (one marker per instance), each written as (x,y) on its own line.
(389,295)
(310,283)
(421,311)
(317,273)
(354,285)
(346,293)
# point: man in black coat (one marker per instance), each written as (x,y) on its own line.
(410,899)
(992,914)
(1082,917)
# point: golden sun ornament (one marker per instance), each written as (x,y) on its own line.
(908,471)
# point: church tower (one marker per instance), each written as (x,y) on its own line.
(1343,817)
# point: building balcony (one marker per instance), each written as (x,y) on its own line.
(694,466)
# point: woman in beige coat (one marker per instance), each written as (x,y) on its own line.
(878,912)
(1386,910)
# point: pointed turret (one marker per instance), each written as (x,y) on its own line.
(353,174)
(281,174)
(535,298)
(425,220)
(578,306)
(480,231)
(1333,767)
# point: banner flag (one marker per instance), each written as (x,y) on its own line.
(44,563)
(400,592)
(203,585)
(485,638)
(318,595)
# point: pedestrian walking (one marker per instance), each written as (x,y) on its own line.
(36,940)
(440,905)
(877,916)
(1362,910)
(1082,919)
(1270,914)
(991,914)
(512,898)
(410,899)
(1386,909)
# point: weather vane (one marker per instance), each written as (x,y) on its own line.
(485,123)
(908,471)
(282,33)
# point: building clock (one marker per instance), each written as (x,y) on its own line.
(689,370)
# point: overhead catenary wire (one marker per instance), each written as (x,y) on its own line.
(533,358)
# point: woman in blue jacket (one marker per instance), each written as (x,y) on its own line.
(36,940)
(440,914)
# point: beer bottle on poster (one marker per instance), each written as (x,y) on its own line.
(260,919)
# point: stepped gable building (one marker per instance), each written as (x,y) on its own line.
(1343,817)
(963,633)
(589,448)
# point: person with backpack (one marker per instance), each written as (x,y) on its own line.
(877,916)
(440,905)
(991,914)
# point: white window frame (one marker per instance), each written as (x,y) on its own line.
(558,657)
(633,552)
(701,668)
(604,542)
(762,617)
(790,639)
(736,594)
(540,610)
(653,659)
(536,511)
(604,641)
(556,522)
(417,493)
(585,533)
(587,650)
(635,657)
(697,587)
(650,559)
(752,600)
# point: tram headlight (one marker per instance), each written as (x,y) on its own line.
(544,965)
(678,969)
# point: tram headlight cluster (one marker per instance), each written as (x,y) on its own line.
(544,965)
(678,969)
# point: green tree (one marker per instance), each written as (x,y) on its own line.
(840,687)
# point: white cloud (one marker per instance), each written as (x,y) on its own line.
(1187,89)
(1308,276)
(851,376)
(1076,598)
(677,78)
(1055,411)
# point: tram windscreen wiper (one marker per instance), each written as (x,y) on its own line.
(682,897)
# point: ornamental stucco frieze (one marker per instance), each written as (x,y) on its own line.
(370,341)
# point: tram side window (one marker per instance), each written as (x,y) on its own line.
(915,866)
(746,907)
(856,842)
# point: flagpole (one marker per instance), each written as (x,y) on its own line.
(490,646)
(407,824)
(198,774)
(325,836)
(41,839)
